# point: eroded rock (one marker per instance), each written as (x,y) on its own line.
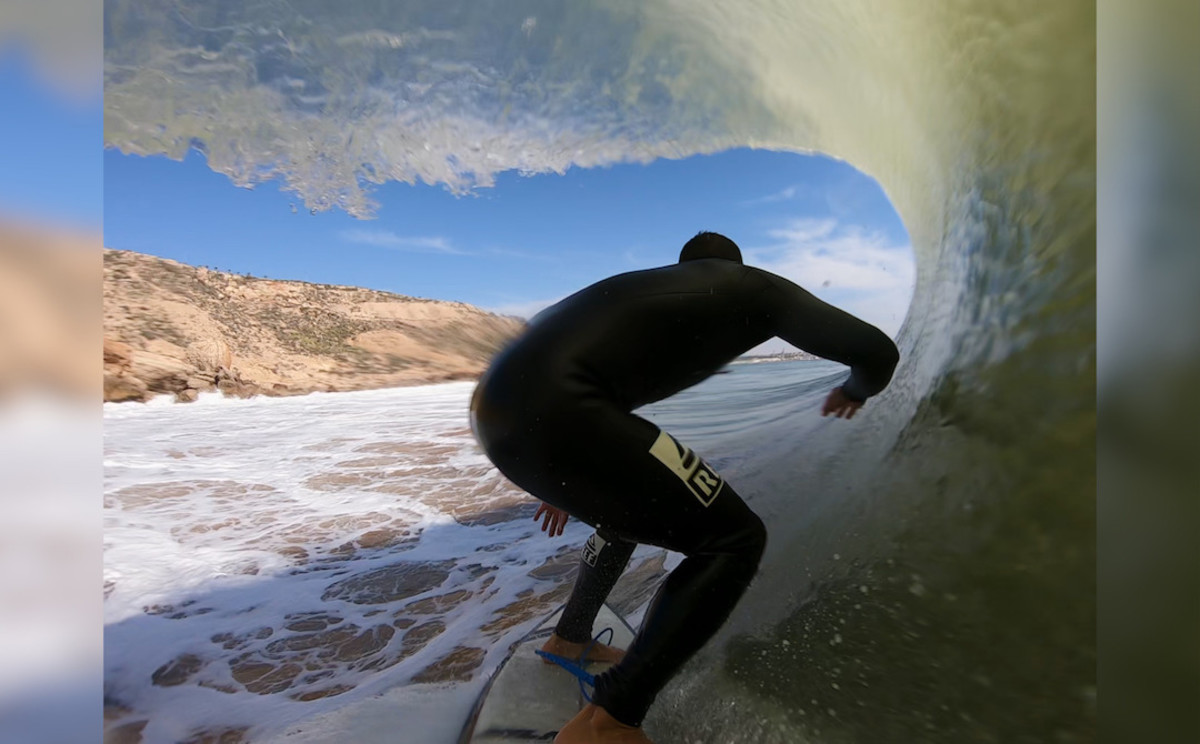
(126,733)
(121,388)
(202,383)
(416,638)
(311,695)
(177,670)
(233,642)
(327,641)
(264,678)
(117,354)
(471,517)
(384,538)
(218,736)
(437,605)
(562,565)
(370,641)
(391,583)
(209,354)
(524,609)
(456,666)
(309,622)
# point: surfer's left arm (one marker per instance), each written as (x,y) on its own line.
(819,328)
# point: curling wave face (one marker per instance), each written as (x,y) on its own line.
(931,568)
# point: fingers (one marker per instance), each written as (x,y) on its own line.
(844,410)
(834,403)
(546,513)
(554,521)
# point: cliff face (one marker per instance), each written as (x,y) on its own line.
(173,328)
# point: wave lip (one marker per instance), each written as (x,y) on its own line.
(333,100)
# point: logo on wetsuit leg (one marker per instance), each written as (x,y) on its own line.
(592,548)
(701,480)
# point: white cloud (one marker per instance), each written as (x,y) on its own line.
(803,231)
(782,195)
(858,270)
(389,239)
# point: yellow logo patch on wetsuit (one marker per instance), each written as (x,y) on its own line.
(701,480)
(592,548)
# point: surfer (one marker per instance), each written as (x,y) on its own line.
(554,414)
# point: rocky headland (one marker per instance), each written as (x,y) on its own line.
(170,328)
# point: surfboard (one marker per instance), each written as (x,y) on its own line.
(528,699)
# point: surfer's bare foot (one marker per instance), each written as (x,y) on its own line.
(598,652)
(594,725)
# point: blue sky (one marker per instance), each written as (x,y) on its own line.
(529,241)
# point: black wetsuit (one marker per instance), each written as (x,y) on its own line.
(554,413)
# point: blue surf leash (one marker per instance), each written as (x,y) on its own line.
(575,666)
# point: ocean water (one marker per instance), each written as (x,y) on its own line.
(931,570)
(271,560)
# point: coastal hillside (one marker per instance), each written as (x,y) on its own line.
(174,328)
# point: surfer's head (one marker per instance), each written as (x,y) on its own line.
(710,245)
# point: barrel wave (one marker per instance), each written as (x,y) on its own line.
(931,568)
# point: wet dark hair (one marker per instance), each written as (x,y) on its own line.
(710,245)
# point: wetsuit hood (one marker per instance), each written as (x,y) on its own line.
(710,245)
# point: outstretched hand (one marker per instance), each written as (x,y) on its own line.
(553,522)
(839,405)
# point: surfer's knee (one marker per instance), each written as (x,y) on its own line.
(745,539)
(749,544)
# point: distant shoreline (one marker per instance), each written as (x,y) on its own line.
(790,356)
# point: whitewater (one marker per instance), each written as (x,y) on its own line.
(270,560)
(937,581)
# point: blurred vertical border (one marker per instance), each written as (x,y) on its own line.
(51,604)
(1148,347)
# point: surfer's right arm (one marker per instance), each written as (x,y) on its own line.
(553,520)
(822,329)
